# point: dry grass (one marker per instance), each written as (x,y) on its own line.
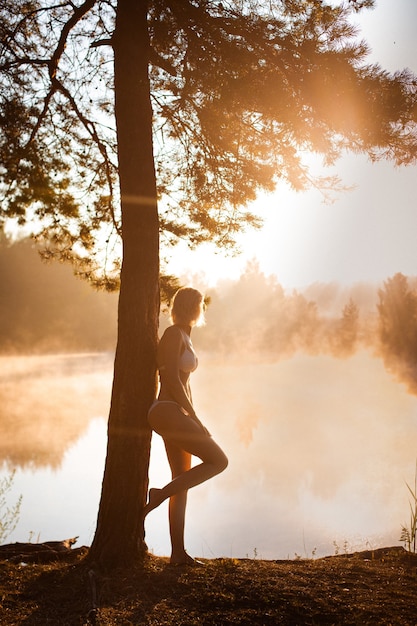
(366,588)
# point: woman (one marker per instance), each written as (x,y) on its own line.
(173,417)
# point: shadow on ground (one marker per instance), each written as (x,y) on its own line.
(366,588)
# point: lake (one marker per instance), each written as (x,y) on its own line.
(320,450)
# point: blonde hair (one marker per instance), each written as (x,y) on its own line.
(187,306)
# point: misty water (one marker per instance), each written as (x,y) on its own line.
(320,451)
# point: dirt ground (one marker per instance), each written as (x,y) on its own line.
(374,588)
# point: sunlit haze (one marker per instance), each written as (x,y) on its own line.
(366,234)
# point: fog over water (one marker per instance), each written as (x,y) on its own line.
(312,459)
(47,403)
(319,448)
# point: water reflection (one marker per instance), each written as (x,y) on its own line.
(319,451)
(62,504)
(46,404)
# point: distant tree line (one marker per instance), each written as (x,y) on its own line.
(256,318)
(397,328)
(45,308)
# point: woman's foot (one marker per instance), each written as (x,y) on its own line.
(185,560)
(155,499)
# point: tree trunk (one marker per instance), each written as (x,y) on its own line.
(119,535)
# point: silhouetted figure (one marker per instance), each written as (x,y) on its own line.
(173,417)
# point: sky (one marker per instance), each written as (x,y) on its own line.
(367,234)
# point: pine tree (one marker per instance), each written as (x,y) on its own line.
(161,120)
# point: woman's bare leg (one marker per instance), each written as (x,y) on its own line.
(183,432)
(180,462)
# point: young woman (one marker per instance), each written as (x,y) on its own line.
(173,417)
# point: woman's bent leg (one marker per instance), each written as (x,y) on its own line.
(180,430)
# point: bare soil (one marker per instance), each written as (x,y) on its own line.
(367,588)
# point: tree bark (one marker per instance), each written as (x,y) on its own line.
(119,535)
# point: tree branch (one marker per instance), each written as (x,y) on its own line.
(23,61)
(102,42)
(91,129)
(74,19)
(56,85)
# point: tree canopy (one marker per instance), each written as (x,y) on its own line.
(240,91)
(45,308)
